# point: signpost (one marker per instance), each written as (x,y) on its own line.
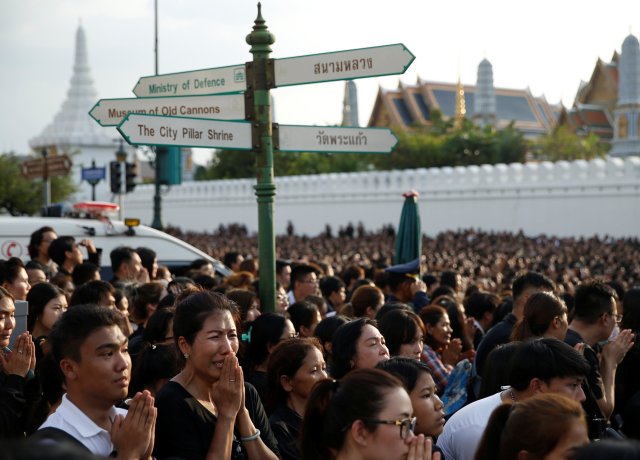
(94,175)
(58,165)
(207,81)
(343,65)
(159,117)
(334,139)
(110,112)
(185,132)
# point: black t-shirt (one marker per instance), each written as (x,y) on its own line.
(497,335)
(593,387)
(286,424)
(184,427)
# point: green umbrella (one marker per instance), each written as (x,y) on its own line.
(409,235)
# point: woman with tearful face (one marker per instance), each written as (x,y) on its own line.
(207,410)
(357,344)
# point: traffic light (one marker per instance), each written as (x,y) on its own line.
(130,176)
(115,176)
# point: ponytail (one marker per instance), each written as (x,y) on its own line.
(313,445)
(489,447)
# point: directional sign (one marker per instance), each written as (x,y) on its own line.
(186,132)
(94,174)
(196,82)
(343,65)
(294,138)
(57,165)
(110,112)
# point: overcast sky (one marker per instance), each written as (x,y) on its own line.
(547,45)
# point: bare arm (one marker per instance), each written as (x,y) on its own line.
(612,355)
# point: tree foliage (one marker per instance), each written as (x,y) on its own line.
(562,144)
(437,145)
(20,196)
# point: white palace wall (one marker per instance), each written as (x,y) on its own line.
(579,198)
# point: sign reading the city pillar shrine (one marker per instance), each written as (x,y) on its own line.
(140,129)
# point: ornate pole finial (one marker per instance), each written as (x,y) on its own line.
(260,38)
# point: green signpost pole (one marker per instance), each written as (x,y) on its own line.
(259,80)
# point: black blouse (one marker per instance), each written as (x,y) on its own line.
(286,424)
(185,428)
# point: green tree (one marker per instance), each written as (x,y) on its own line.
(20,196)
(563,144)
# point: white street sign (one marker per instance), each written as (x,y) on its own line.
(219,80)
(294,138)
(343,65)
(110,112)
(185,132)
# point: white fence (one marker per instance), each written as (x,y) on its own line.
(579,198)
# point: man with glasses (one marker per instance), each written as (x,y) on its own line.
(304,282)
(594,319)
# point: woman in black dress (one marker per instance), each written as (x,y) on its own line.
(207,410)
(294,367)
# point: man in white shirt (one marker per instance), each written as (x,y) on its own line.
(92,354)
(540,366)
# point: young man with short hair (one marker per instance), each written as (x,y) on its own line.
(92,353)
(304,282)
(594,317)
(540,366)
(127,266)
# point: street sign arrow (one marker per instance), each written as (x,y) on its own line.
(343,65)
(140,129)
(57,165)
(110,112)
(219,80)
(294,138)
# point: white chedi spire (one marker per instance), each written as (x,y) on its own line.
(484,110)
(629,86)
(72,125)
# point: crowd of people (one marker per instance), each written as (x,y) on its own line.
(490,346)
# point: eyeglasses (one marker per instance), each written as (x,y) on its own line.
(405,424)
(617,317)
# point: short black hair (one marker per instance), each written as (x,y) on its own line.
(406,369)
(92,292)
(73,328)
(545,359)
(479,303)
(121,255)
(230,258)
(36,240)
(592,299)
(330,284)
(298,272)
(531,279)
(83,273)
(59,247)
(147,256)
(302,314)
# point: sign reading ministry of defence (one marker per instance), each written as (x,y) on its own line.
(207,81)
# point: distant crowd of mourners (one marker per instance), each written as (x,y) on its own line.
(489,346)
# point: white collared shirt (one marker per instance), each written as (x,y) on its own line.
(70,419)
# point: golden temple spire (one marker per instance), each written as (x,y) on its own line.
(461,109)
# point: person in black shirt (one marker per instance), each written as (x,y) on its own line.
(523,286)
(293,369)
(208,409)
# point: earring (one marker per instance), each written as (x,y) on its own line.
(186,356)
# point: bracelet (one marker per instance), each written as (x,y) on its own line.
(253,437)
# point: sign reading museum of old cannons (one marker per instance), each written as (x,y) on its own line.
(110,112)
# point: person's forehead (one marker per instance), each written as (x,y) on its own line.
(6,305)
(104,335)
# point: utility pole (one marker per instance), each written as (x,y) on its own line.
(157,198)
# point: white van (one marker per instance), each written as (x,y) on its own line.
(15,233)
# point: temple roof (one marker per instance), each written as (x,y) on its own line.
(412,104)
(72,126)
